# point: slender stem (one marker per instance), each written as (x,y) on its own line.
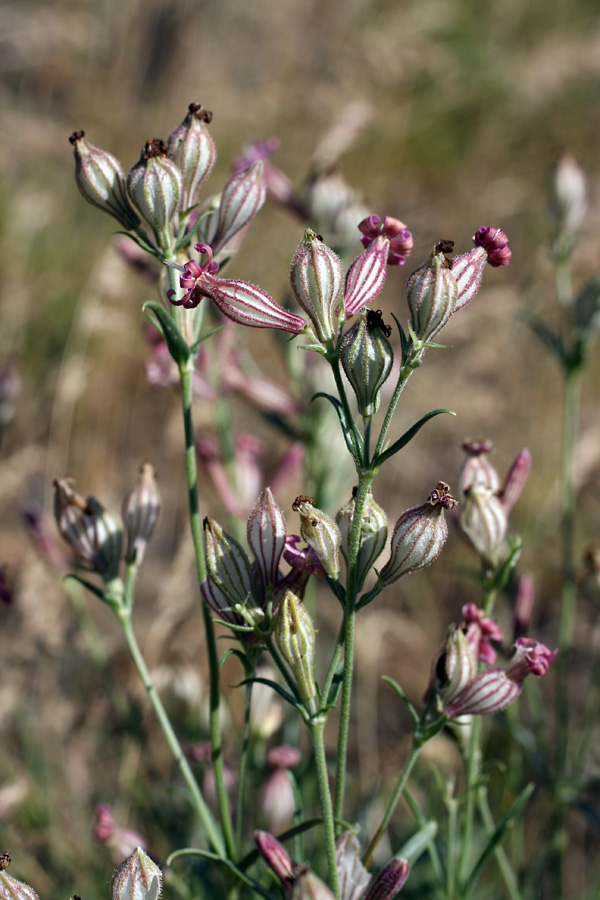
(397,793)
(364,482)
(316,730)
(452,805)
(204,813)
(185,371)
(243,766)
(473,767)
(506,870)
(405,373)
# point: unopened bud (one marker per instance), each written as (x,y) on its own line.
(10,888)
(138,878)
(366,276)
(515,480)
(321,533)
(266,536)
(524,603)
(568,199)
(101,180)
(367,358)
(227,564)
(389,881)
(484,520)
(275,855)
(477,470)
(353,878)
(308,886)
(92,532)
(242,197)
(193,152)
(295,636)
(457,666)
(154,185)
(419,535)
(373,535)
(316,278)
(431,292)
(141,511)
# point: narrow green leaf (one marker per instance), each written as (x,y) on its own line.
(400,691)
(418,843)
(497,837)
(177,346)
(408,436)
(335,688)
(272,684)
(239,874)
(552,341)
(345,429)
(205,337)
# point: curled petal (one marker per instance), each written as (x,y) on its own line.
(495,244)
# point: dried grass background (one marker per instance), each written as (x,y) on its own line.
(467,107)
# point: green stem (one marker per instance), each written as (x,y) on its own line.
(400,785)
(405,373)
(316,730)
(341,389)
(243,767)
(364,481)
(204,813)
(506,870)
(185,371)
(472,774)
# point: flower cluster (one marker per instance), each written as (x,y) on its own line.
(456,680)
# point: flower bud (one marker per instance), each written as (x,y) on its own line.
(10,388)
(295,636)
(101,180)
(92,532)
(321,533)
(373,535)
(154,185)
(458,665)
(141,511)
(484,520)
(242,197)
(568,199)
(276,795)
(275,855)
(353,878)
(227,564)
(138,878)
(316,278)
(389,881)
(515,480)
(477,470)
(366,276)
(367,358)
(431,292)
(10,888)
(266,536)
(419,535)
(193,151)
(308,886)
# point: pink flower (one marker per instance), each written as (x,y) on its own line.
(480,631)
(239,301)
(493,690)
(495,244)
(400,239)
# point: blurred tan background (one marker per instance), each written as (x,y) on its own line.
(464,109)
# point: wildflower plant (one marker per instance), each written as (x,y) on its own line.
(254,581)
